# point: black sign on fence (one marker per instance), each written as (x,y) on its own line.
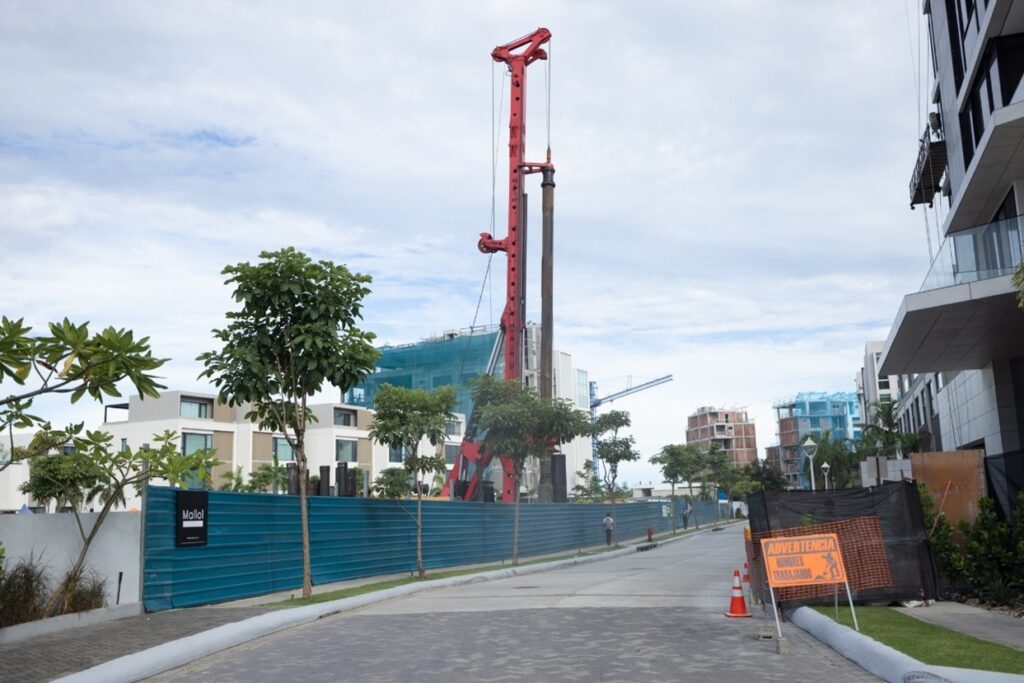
(192,514)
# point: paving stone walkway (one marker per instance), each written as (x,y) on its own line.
(50,656)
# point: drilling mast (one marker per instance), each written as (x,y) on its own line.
(471,463)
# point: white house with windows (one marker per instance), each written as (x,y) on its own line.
(339,434)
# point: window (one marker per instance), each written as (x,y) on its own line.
(345,450)
(396,454)
(194,407)
(124,444)
(191,442)
(451,428)
(283,449)
(344,418)
(883,382)
(451,451)
(68,450)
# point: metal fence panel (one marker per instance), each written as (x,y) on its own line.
(254,543)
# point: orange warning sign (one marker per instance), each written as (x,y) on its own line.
(803,560)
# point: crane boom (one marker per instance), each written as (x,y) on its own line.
(595,402)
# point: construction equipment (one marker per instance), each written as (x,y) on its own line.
(470,465)
(595,402)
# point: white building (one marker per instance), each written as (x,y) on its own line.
(339,434)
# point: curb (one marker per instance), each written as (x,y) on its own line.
(176,653)
(31,629)
(884,661)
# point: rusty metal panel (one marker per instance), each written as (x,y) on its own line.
(955,480)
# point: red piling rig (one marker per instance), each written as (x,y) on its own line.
(517,55)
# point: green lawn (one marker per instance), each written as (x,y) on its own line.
(929,643)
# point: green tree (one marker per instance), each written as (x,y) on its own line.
(672,460)
(267,478)
(612,450)
(764,476)
(98,471)
(589,487)
(392,482)
(405,417)
(67,360)
(842,457)
(519,425)
(883,432)
(294,334)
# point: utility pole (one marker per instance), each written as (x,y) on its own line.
(548,470)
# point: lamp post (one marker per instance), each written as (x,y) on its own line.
(810,448)
(824,470)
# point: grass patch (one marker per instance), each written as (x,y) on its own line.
(929,643)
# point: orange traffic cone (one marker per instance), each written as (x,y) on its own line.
(738,606)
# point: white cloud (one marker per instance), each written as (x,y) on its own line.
(731,202)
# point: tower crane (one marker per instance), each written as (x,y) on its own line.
(595,402)
(470,464)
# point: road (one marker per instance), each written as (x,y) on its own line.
(655,615)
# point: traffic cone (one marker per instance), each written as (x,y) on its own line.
(738,606)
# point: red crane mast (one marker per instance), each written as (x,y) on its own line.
(518,55)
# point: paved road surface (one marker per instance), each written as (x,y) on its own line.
(655,615)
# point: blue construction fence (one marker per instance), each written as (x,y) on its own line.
(254,544)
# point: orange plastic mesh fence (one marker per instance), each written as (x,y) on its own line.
(862,545)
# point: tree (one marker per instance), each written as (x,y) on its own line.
(613,449)
(764,476)
(719,473)
(672,459)
(392,482)
(295,333)
(883,432)
(68,360)
(267,478)
(519,424)
(99,472)
(692,462)
(404,418)
(589,488)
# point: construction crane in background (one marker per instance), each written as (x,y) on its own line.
(595,402)
(470,464)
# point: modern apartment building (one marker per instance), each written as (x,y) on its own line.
(455,358)
(873,387)
(811,413)
(732,430)
(339,434)
(958,342)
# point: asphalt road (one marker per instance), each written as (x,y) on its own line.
(656,615)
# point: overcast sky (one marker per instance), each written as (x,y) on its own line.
(731,202)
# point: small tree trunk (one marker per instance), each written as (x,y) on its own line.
(419,529)
(515,523)
(673,508)
(307,571)
(51,607)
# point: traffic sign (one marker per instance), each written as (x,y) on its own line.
(803,560)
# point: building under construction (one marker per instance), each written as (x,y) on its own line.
(732,430)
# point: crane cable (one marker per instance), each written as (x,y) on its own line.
(493,144)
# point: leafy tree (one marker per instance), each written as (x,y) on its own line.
(234,482)
(404,418)
(883,432)
(295,333)
(68,360)
(613,449)
(518,424)
(268,477)
(764,476)
(672,460)
(589,488)
(392,482)
(843,460)
(719,473)
(100,472)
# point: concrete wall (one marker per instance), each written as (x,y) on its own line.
(54,538)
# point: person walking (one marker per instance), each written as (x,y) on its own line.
(609,526)
(686,515)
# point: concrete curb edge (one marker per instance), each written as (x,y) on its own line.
(176,653)
(882,660)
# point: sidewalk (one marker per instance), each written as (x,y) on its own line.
(972,621)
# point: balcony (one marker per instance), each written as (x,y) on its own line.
(965,314)
(980,253)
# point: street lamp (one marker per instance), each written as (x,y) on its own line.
(810,448)
(824,470)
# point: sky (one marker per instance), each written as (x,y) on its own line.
(731,203)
